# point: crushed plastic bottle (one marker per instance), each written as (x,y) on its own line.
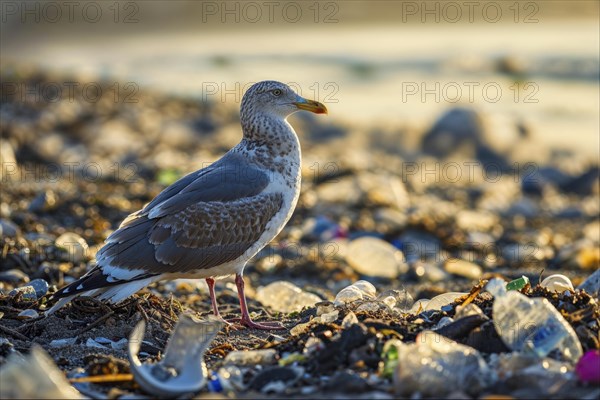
(443,300)
(375,257)
(251,357)
(285,297)
(435,365)
(227,379)
(532,325)
(359,290)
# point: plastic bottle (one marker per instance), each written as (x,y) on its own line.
(532,325)
(227,379)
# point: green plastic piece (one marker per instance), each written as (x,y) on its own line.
(518,284)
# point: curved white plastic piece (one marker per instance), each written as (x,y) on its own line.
(182,367)
(558,283)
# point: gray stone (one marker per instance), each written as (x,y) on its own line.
(27,293)
(8,228)
(13,276)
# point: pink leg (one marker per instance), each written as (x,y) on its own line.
(213,298)
(246,320)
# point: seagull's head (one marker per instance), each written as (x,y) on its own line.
(276,99)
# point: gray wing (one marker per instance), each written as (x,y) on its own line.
(203,220)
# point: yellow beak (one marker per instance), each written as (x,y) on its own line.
(312,106)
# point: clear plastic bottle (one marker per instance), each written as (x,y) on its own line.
(532,325)
(227,379)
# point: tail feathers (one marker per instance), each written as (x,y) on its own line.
(103,287)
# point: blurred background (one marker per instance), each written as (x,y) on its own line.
(466,120)
(391,64)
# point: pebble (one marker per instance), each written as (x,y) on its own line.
(43,202)
(375,257)
(8,229)
(76,247)
(27,293)
(468,310)
(40,286)
(251,357)
(349,320)
(285,297)
(428,272)
(473,221)
(276,379)
(417,245)
(13,276)
(58,343)
(463,268)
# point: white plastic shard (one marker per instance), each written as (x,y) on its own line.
(34,376)
(557,283)
(182,369)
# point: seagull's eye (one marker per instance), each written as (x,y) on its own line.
(277,92)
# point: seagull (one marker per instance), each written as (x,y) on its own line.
(210,223)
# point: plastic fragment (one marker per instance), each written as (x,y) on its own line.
(544,328)
(518,284)
(588,367)
(557,283)
(34,376)
(182,369)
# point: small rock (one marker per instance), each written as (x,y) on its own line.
(347,382)
(93,344)
(468,310)
(43,202)
(75,246)
(40,286)
(370,306)
(8,228)
(313,345)
(276,379)
(329,318)
(463,268)
(349,320)
(473,221)
(58,343)
(251,357)
(324,307)
(13,276)
(416,245)
(285,297)
(27,293)
(429,273)
(375,257)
